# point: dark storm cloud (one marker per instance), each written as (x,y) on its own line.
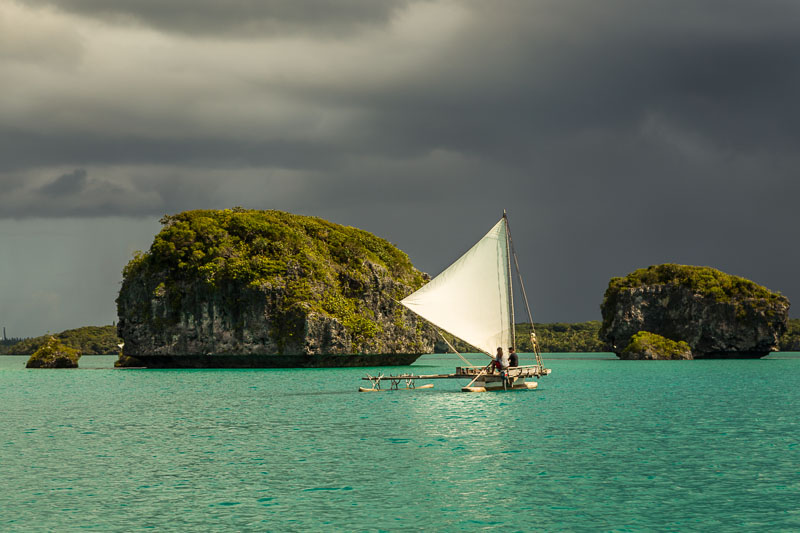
(23,150)
(237,18)
(516,82)
(622,93)
(504,92)
(66,184)
(73,194)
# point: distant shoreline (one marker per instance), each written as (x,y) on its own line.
(553,337)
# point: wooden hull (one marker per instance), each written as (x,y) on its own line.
(488,387)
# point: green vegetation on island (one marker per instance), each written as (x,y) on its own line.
(646,345)
(560,337)
(89,340)
(790,341)
(706,281)
(6,344)
(54,354)
(254,246)
(556,337)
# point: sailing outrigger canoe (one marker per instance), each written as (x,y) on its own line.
(473,300)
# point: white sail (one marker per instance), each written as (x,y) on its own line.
(471,299)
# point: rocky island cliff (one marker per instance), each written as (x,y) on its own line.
(245,288)
(716,314)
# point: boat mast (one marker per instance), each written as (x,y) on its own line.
(534,340)
(510,288)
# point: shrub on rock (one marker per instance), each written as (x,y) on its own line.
(646,345)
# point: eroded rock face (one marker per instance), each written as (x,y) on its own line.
(236,320)
(267,283)
(718,315)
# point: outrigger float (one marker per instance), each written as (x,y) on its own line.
(473,300)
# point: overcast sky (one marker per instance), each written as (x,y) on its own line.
(617,134)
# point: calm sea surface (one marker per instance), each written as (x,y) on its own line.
(602,445)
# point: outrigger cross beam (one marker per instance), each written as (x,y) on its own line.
(482,379)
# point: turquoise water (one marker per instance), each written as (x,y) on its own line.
(603,445)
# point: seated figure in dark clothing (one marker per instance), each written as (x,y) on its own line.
(513,358)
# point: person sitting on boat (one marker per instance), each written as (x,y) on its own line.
(513,358)
(499,360)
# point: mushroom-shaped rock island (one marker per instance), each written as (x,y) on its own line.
(716,314)
(246,288)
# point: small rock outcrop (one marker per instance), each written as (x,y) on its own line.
(54,354)
(718,315)
(266,288)
(646,345)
